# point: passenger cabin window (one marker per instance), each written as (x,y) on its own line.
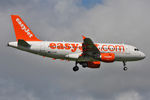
(136,49)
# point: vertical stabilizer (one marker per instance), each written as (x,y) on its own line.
(22,31)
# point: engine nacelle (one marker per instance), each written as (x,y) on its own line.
(91,64)
(107,57)
(94,64)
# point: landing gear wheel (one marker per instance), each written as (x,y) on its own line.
(125,68)
(84,65)
(124,64)
(76,68)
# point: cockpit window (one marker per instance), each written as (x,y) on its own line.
(136,49)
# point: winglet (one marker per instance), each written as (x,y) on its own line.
(83,37)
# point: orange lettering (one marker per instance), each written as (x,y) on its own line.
(104,49)
(97,45)
(120,47)
(67,46)
(74,47)
(111,49)
(60,46)
(80,48)
(52,45)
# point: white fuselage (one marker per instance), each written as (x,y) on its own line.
(72,50)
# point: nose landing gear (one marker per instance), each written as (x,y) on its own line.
(75,68)
(124,64)
(125,68)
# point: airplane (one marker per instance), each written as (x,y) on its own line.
(87,53)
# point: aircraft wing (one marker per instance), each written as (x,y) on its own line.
(90,51)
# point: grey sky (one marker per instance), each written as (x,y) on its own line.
(25,76)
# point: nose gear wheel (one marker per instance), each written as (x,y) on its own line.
(124,64)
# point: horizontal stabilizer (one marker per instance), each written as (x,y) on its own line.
(23,43)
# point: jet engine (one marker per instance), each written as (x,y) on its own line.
(107,57)
(91,64)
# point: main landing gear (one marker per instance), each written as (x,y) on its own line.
(124,64)
(75,68)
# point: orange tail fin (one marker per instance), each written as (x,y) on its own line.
(21,30)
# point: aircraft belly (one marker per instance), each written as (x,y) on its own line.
(125,57)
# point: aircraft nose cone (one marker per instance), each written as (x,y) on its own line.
(142,55)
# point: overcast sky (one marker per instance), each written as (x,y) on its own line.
(25,76)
